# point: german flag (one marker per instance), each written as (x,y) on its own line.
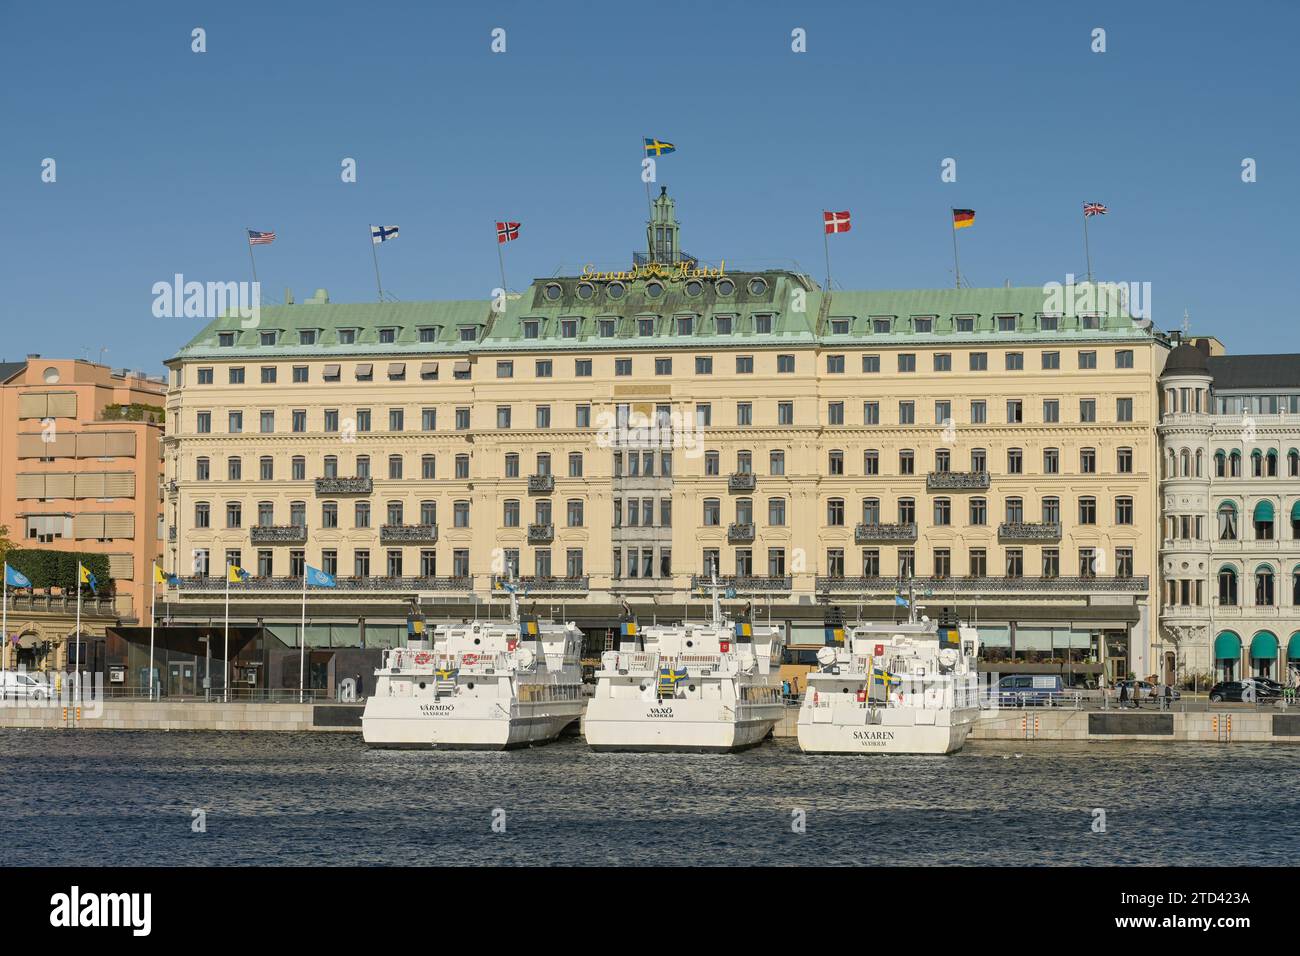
(961,218)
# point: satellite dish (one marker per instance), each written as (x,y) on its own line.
(525,657)
(826,656)
(948,657)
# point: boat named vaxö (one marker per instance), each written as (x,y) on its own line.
(478,685)
(895,688)
(699,687)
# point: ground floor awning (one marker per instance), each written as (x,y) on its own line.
(1227,647)
(1293,647)
(1263,646)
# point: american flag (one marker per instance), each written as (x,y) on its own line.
(837,221)
(256,238)
(506,231)
(1094,209)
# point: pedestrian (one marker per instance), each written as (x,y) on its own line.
(1123,693)
(360,689)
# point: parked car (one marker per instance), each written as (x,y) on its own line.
(16,685)
(1142,690)
(1234,690)
(1030,690)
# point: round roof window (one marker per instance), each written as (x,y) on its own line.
(725,287)
(654,289)
(694,287)
(757,285)
(51,375)
(586,290)
(553,290)
(615,290)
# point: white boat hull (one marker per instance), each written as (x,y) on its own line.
(902,731)
(679,725)
(414,724)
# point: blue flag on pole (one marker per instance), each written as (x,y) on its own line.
(16,579)
(318,578)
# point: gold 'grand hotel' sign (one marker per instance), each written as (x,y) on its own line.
(668,271)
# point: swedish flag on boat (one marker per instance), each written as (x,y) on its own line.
(628,629)
(834,635)
(670,678)
(744,629)
(528,627)
(446,673)
(882,678)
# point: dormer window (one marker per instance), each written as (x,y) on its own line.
(268,338)
(306,336)
(387,336)
(722,324)
(839,326)
(606,328)
(1092,321)
(469,333)
(923,324)
(429,334)
(1006,323)
(569,328)
(531,328)
(763,323)
(880,325)
(645,327)
(347,336)
(685,324)
(225,339)
(965,323)
(1049,323)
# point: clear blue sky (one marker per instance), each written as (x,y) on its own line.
(165,156)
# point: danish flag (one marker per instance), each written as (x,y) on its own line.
(506,231)
(837,221)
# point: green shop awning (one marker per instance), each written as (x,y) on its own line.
(1227,647)
(1263,646)
(1293,647)
(1295,511)
(1264,511)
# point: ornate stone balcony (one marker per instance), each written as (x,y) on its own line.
(742,481)
(1029,531)
(938,587)
(957,481)
(344,486)
(740,531)
(866,533)
(278,534)
(541,533)
(294,584)
(742,583)
(408,534)
(543,584)
(541,484)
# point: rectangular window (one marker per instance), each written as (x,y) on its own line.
(835,413)
(622,367)
(663,366)
(979,361)
(1051,410)
(784,364)
(543,368)
(871,413)
(1087,360)
(704,365)
(907,413)
(1087,410)
(906,362)
(1124,358)
(835,364)
(744,413)
(979,413)
(943,362)
(505,368)
(1051,360)
(871,363)
(1124,409)
(582,368)
(744,364)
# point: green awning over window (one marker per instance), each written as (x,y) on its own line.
(1227,647)
(1264,511)
(1263,646)
(1293,647)
(1295,511)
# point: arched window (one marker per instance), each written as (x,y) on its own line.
(1270,463)
(1184,463)
(1295,587)
(1200,459)
(1227,586)
(1263,586)
(1293,463)
(1234,465)
(1227,521)
(1263,520)
(1220,464)
(1256,464)
(1227,653)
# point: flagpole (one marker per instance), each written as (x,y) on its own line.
(249,240)
(153,619)
(77,702)
(501,258)
(226,653)
(4,636)
(375,256)
(955,261)
(1086,251)
(302,638)
(826,242)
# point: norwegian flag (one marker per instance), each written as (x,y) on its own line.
(836,221)
(1094,209)
(507,231)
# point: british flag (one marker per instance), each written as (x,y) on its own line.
(837,221)
(1094,209)
(507,231)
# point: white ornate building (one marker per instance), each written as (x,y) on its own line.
(1230,498)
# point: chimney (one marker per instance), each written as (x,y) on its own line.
(288,296)
(33,355)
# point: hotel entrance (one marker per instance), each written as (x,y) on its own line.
(1117,655)
(182,679)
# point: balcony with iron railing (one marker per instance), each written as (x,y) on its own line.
(294,584)
(542,584)
(408,534)
(865,533)
(743,582)
(345,486)
(541,484)
(278,534)
(1029,531)
(742,481)
(740,531)
(541,533)
(171,532)
(957,481)
(974,584)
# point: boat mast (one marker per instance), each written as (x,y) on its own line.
(717,606)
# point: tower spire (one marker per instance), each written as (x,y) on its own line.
(662,229)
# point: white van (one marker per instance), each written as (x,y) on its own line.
(17,685)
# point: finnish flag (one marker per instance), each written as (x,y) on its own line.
(380,234)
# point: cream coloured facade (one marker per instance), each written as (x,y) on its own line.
(817,449)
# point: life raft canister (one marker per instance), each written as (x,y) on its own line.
(423,657)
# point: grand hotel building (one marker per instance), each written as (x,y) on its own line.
(814,448)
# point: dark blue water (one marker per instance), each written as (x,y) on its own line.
(103,798)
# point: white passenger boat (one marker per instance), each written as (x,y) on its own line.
(896,688)
(708,686)
(478,685)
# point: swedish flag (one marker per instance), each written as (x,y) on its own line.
(628,629)
(882,678)
(528,627)
(669,679)
(655,147)
(744,629)
(834,635)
